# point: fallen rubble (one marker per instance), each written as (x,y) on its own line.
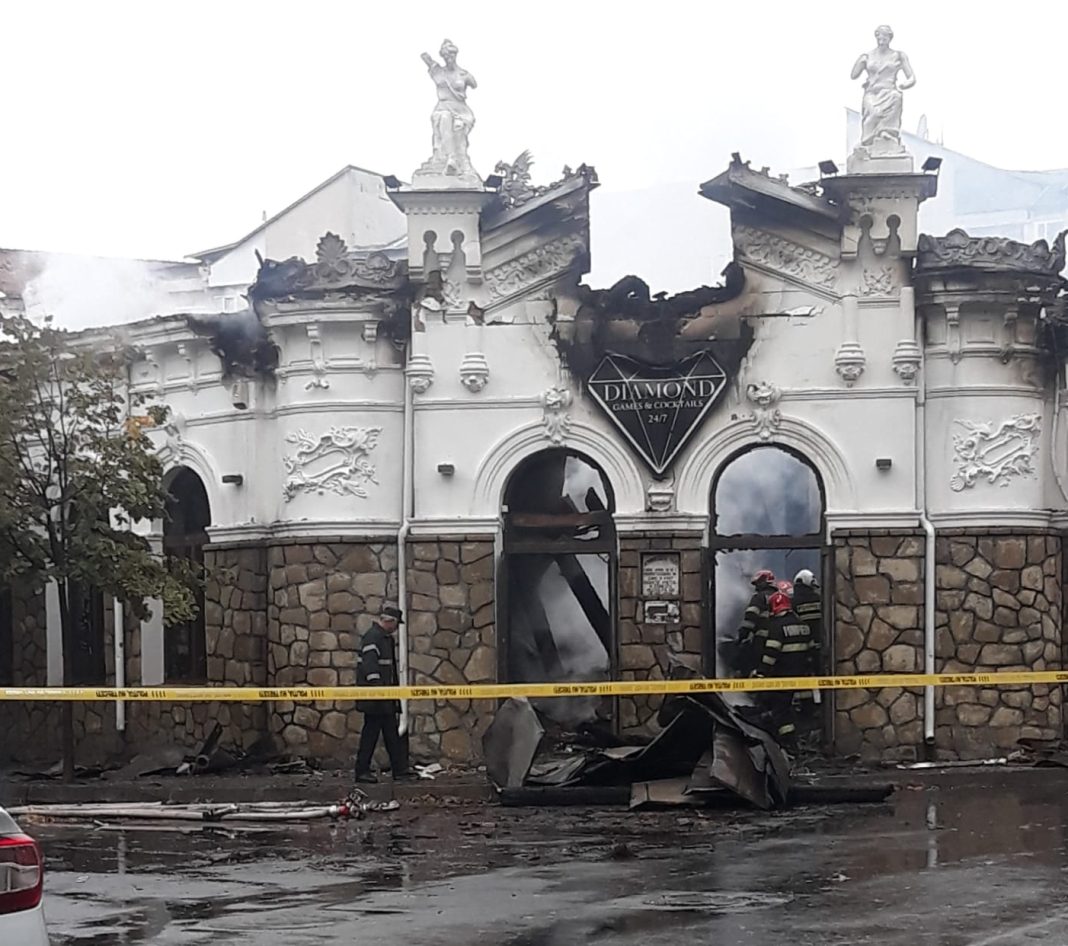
(706,755)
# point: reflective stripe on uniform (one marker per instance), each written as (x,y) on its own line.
(774,645)
(769,660)
(367,647)
(795,648)
(373,676)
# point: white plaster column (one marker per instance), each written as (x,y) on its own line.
(152,644)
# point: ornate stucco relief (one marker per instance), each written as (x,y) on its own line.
(555,401)
(877,282)
(531,267)
(997,453)
(336,462)
(766,416)
(474,371)
(787,257)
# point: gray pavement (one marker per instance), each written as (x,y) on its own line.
(974,860)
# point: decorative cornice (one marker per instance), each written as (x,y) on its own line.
(335,267)
(956,249)
(532,267)
(787,257)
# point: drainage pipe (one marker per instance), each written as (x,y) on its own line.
(908,303)
(119,618)
(407,502)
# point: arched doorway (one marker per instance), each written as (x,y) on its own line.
(558,580)
(184,536)
(767,512)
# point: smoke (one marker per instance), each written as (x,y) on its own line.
(81,292)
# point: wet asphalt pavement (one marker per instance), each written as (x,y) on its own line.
(977,861)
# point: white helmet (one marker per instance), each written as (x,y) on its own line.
(805,577)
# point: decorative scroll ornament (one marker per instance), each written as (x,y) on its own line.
(474,371)
(850,362)
(957,249)
(997,454)
(555,401)
(660,496)
(334,264)
(906,360)
(334,462)
(525,270)
(766,416)
(420,372)
(785,256)
(318,360)
(877,282)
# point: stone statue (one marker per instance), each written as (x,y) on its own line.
(881,106)
(451,120)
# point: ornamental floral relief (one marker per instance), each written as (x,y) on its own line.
(997,453)
(766,416)
(335,462)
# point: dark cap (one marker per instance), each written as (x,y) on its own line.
(395,613)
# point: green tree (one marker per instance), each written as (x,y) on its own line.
(76,471)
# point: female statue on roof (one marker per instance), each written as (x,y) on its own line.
(881,106)
(452,118)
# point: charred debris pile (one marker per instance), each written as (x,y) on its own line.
(705,755)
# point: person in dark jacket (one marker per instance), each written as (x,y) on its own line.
(789,650)
(377,667)
(754,628)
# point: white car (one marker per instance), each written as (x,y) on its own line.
(21,879)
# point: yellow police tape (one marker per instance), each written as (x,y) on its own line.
(496,691)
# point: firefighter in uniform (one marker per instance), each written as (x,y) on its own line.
(754,628)
(808,606)
(377,667)
(789,651)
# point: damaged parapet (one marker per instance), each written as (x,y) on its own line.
(372,278)
(240,341)
(1020,282)
(657,329)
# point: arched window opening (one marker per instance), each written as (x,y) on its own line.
(184,536)
(558,589)
(85,661)
(767,513)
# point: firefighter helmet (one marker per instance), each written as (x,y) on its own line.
(764,577)
(778,604)
(805,577)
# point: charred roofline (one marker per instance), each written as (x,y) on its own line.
(741,188)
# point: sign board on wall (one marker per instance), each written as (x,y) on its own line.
(657,407)
(660,577)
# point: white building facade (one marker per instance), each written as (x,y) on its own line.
(563,483)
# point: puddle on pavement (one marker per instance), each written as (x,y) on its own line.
(684,871)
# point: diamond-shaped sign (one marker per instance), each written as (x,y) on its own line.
(657,407)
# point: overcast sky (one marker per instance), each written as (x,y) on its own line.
(156,129)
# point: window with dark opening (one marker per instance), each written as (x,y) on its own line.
(184,536)
(559,580)
(767,513)
(87,661)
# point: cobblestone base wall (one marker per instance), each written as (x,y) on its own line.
(323,596)
(235,618)
(998,608)
(647,651)
(452,641)
(879,629)
(33,730)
